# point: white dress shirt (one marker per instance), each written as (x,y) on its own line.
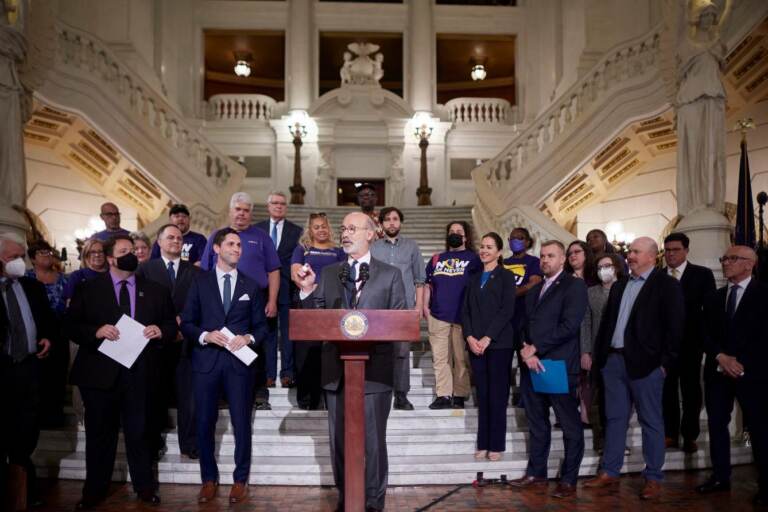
(739,293)
(220,281)
(176,263)
(680,270)
(280,223)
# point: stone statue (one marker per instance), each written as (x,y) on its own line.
(346,74)
(362,70)
(700,107)
(326,179)
(396,177)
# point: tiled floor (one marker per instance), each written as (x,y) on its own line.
(678,497)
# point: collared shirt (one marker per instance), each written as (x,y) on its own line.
(257,259)
(280,223)
(739,293)
(117,284)
(632,290)
(26,315)
(192,247)
(365,258)
(403,253)
(220,282)
(176,263)
(548,282)
(679,270)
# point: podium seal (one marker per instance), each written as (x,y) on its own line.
(354,324)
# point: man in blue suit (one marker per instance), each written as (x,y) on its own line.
(223,297)
(555,309)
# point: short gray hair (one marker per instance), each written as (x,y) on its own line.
(240,197)
(276,193)
(10,236)
(140,235)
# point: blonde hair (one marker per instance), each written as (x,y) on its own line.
(306,237)
(87,246)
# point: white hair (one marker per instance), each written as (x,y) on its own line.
(10,236)
(240,197)
(276,193)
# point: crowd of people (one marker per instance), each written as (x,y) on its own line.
(632,331)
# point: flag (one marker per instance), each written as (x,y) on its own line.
(745,210)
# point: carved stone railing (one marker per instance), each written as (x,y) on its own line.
(240,107)
(479,111)
(90,78)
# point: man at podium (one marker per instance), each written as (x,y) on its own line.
(365,283)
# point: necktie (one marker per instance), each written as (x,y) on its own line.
(227,293)
(171,274)
(125,298)
(353,271)
(273,234)
(731,306)
(675,273)
(16,328)
(544,288)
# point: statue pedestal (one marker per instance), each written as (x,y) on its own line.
(710,234)
(12,220)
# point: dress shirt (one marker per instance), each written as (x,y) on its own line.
(548,282)
(220,281)
(26,315)
(680,270)
(628,298)
(117,284)
(403,253)
(739,293)
(280,223)
(365,258)
(176,263)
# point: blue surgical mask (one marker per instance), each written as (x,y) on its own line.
(517,245)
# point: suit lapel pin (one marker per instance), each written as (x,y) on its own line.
(141,294)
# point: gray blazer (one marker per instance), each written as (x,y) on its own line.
(597,297)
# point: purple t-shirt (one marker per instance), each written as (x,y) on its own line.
(523,268)
(191,249)
(258,257)
(448,275)
(107,234)
(317,258)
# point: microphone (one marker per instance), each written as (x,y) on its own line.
(344,273)
(364,273)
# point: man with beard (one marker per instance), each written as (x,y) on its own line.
(403,253)
(383,290)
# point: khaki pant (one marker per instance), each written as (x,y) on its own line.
(449,358)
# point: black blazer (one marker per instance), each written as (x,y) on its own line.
(288,242)
(489,311)
(745,337)
(45,320)
(95,304)
(655,327)
(554,320)
(155,270)
(698,284)
(384,290)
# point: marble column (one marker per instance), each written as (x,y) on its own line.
(421,48)
(299,40)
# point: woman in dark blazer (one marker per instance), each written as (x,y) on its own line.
(489,305)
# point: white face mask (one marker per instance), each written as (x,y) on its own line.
(15,268)
(606,274)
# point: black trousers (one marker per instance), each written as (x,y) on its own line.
(125,403)
(683,380)
(307,358)
(185,406)
(54,369)
(22,393)
(720,392)
(491,373)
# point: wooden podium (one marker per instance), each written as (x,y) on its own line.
(354,331)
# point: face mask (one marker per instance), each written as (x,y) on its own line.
(15,268)
(517,245)
(607,274)
(128,262)
(454,240)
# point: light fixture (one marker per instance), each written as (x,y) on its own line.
(478,72)
(297,124)
(422,123)
(242,63)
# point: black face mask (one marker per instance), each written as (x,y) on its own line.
(454,240)
(128,262)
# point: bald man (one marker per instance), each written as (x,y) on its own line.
(736,344)
(110,214)
(638,341)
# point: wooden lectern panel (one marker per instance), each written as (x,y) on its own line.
(325,325)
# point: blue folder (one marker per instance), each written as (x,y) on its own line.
(554,378)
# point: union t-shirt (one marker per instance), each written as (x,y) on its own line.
(523,268)
(447,275)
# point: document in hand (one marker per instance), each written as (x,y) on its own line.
(245,354)
(554,378)
(127,348)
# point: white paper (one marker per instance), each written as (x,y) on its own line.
(244,353)
(127,348)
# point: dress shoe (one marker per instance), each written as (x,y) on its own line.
(528,481)
(192,454)
(602,479)
(458,402)
(287,382)
(263,406)
(149,497)
(671,443)
(564,490)
(402,403)
(442,402)
(651,490)
(270,382)
(713,485)
(690,446)
(238,493)
(89,503)
(207,492)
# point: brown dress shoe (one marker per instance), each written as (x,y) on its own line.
(564,490)
(207,492)
(651,490)
(671,443)
(287,382)
(690,446)
(238,493)
(270,382)
(602,479)
(527,481)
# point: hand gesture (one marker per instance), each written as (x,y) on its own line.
(534,364)
(45,345)
(306,278)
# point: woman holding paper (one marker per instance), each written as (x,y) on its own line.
(487,324)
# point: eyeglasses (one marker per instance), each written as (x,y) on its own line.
(351,229)
(732,259)
(575,251)
(111,214)
(278,203)
(95,253)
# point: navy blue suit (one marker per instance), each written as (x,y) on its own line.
(553,325)
(215,368)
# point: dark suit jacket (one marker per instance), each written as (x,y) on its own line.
(384,290)
(288,242)
(45,320)
(205,312)
(745,337)
(655,327)
(698,284)
(489,311)
(155,270)
(95,304)
(554,320)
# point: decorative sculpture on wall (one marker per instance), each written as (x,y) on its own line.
(325,182)
(362,70)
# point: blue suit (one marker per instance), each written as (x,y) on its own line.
(215,368)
